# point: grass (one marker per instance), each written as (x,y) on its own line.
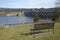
(19,34)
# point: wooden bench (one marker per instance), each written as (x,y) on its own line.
(43,26)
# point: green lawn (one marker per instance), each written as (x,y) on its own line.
(20,34)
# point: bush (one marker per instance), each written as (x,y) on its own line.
(55,15)
(36,19)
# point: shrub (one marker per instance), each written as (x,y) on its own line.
(36,19)
(55,15)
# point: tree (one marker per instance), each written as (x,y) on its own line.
(57,3)
(36,19)
(56,13)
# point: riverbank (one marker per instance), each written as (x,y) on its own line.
(24,24)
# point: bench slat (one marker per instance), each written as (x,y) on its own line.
(43,26)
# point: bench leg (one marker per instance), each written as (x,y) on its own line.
(53,31)
(48,30)
(32,34)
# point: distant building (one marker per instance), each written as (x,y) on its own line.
(43,13)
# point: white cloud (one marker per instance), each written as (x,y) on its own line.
(27,3)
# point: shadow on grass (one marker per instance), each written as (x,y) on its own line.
(31,33)
(57,21)
(1,28)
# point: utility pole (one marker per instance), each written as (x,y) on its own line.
(6,20)
(21,15)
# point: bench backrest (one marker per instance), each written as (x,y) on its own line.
(44,26)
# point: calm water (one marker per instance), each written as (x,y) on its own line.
(14,19)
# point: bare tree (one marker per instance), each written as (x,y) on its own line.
(56,13)
(57,6)
(57,3)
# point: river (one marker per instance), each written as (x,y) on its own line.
(14,19)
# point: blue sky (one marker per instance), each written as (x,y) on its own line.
(27,3)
